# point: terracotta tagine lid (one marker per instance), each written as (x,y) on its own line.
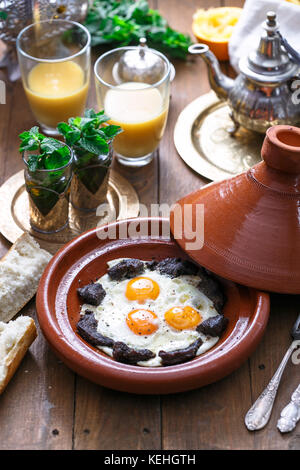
(251,221)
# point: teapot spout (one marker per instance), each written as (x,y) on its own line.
(220,83)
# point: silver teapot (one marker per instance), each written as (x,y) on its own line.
(262,94)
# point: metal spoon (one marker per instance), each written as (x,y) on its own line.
(290,414)
(260,412)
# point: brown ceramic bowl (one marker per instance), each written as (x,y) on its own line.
(84,259)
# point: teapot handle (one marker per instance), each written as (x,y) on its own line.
(290,50)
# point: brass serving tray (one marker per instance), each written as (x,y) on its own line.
(122,203)
(202,140)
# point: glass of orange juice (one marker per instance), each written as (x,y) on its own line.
(54,58)
(140,107)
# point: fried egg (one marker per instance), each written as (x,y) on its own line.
(153,311)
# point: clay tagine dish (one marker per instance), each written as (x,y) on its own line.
(84,259)
(251,221)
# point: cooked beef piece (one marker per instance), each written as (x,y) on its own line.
(213,326)
(180,355)
(175,267)
(123,353)
(152,264)
(92,294)
(126,269)
(87,328)
(211,288)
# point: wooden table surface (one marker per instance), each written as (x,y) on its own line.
(47,406)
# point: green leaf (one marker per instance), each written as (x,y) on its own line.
(32,162)
(50,145)
(71,134)
(52,153)
(95,145)
(124,22)
(57,159)
(89,133)
(112,130)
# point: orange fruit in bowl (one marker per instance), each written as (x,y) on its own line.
(214,27)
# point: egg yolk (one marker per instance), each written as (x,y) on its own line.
(142,322)
(182,318)
(141,289)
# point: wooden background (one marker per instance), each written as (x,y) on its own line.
(46,406)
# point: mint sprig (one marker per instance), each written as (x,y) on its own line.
(90,133)
(124,22)
(51,153)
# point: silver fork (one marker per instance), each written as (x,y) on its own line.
(260,412)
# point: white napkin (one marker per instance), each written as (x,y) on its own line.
(247,32)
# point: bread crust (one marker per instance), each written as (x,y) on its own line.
(31,290)
(17,353)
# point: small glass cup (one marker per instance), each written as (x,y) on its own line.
(48,192)
(90,179)
(54,59)
(141,109)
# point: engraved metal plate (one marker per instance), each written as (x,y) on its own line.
(122,203)
(202,140)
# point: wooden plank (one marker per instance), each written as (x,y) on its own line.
(106,419)
(209,418)
(262,364)
(176,178)
(36,410)
(284,311)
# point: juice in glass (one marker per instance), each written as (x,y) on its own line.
(134,99)
(54,59)
(141,112)
(56,91)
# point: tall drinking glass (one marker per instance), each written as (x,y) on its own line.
(54,58)
(141,109)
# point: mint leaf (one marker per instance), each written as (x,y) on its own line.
(90,133)
(124,22)
(111,131)
(71,134)
(52,153)
(32,162)
(50,145)
(95,145)
(30,140)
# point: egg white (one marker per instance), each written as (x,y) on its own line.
(180,291)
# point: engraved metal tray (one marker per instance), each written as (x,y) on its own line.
(122,203)
(202,140)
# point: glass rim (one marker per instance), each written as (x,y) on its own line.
(149,85)
(64,59)
(48,170)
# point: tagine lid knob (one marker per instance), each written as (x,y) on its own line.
(141,64)
(270,62)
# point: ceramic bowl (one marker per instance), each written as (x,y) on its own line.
(84,259)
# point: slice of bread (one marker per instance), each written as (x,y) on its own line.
(15,339)
(20,271)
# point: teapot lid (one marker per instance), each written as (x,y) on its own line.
(141,64)
(270,63)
